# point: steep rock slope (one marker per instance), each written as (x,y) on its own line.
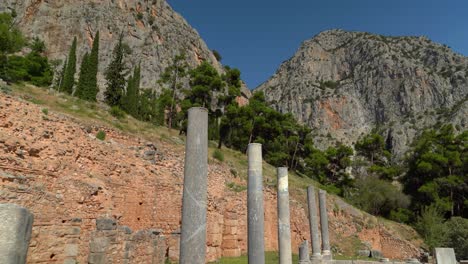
(154,32)
(121,198)
(344,84)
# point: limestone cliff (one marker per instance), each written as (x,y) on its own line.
(344,84)
(154,32)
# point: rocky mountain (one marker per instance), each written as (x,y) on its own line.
(344,84)
(154,32)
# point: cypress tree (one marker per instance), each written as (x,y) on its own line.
(115,76)
(83,81)
(131,100)
(69,77)
(134,99)
(93,62)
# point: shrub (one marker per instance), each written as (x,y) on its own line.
(430,225)
(457,234)
(116,112)
(378,197)
(139,16)
(217,154)
(101,135)
(45,111)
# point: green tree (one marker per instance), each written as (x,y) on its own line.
(430,225)
(372,146)
(457,236)
(437,171)
(378,197)
(93,67)
(11,41)
(115,75)
(131,99)
(87,88)
(172,79)
(69,76)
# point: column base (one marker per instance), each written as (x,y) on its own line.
(326,255)
(316,256)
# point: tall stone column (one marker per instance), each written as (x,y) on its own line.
(304,253)
(284,228)
(255,214)
(313,222)
(324,225)
(193,234)
(15,233)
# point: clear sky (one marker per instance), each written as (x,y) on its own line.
(256,36)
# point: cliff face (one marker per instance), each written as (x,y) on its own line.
(344,84)
(154,32)
(120,199)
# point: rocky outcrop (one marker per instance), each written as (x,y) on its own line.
(95,200)
(344,84)
(154,32)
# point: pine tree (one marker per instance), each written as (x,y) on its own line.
(83,80)
(115,75)
(173,79)
(93,63)
(69,77)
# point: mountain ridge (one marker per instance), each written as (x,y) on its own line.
(345,84)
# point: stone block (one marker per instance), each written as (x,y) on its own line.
(445,256)
(364,253)
(230,244)
(376,254)
(127,230)
(235,252)
(71,250)
(99,245)
(97,258)
(70,261)
(105,224)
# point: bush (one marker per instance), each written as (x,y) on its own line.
(378,197)
(457,234)
(101,135)
(217,154)
(430,225)
(45,111)
(116,112)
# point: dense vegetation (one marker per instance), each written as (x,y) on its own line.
(434,192)
(31,66)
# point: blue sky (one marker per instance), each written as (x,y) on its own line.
(256,36)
